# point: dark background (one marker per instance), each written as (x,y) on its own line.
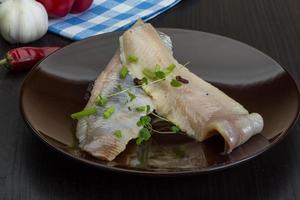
(31,170)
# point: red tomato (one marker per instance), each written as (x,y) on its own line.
(81,5)
(57,8)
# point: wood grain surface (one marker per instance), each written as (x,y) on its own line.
(30,170)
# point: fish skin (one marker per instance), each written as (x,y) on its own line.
(198,108)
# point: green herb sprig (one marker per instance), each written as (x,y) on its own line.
(157,76)
(152,76)
(144,135)
(147,129)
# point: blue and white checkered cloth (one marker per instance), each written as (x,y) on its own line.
(107,16)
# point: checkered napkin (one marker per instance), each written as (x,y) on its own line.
(107,16)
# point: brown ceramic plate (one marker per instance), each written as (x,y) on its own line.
(58,87)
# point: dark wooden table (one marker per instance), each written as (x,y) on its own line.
(30,170)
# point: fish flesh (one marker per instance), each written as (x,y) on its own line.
(198,108)
(95,133)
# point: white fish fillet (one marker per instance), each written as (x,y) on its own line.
(96,134)
(198,108)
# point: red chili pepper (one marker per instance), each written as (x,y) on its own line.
(57,8)
(81,5)
(25,58)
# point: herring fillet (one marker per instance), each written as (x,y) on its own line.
(96,134)
(198,108)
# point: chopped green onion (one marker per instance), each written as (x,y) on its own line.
(84,113)
(175,83)
(148,109)
(175,129)
(101,100)
(123,72)
(140,108)
(108,112)
(170,68)
(149,74)
(144,135)
(118,134)
(132,58)
(131,96)
(160,74)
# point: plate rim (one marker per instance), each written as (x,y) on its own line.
(135,171)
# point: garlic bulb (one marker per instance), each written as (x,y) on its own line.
(22,21)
